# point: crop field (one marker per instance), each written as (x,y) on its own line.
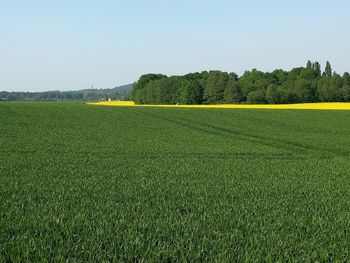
(86,183)
(300,106)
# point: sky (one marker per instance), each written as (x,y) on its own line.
(74,44)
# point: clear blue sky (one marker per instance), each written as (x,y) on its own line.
(68,45)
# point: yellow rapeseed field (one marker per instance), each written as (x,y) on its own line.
(113,103)
(301,106)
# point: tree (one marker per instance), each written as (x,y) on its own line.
(302,84)
(328,70)
(255,80)
(272,94)
(346,79)
(215,86)
(317,69)
(232,92)
(11,97)
(346,93)
(304,91)
(233,76)
(308,64)
(256,97)
(329,89)
(287,94)
(190,92)
(89,95)
(279,76)
(136,94)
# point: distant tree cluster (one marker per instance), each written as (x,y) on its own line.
(303,84)
(118,93)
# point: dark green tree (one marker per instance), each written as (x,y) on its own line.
(256,97)
(304,91)
(328,70)
(346,93)
(272,94)
(308,64)
(302,84)
(137,95)
(317,69)
(215,86)
(346,79)
(330,89)
(190,92)
(232,92)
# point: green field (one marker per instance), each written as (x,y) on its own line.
(92,183)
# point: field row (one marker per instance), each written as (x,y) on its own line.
(88,183)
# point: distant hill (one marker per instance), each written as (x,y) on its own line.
(117,93)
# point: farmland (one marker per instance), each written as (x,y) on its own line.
(90,183)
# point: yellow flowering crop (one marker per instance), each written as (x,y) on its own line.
(302,106)
(113,103)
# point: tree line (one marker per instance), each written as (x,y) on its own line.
(300,85)
(118,93)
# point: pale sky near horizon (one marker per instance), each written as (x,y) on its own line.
(70,45)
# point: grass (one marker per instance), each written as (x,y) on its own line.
(87,183)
